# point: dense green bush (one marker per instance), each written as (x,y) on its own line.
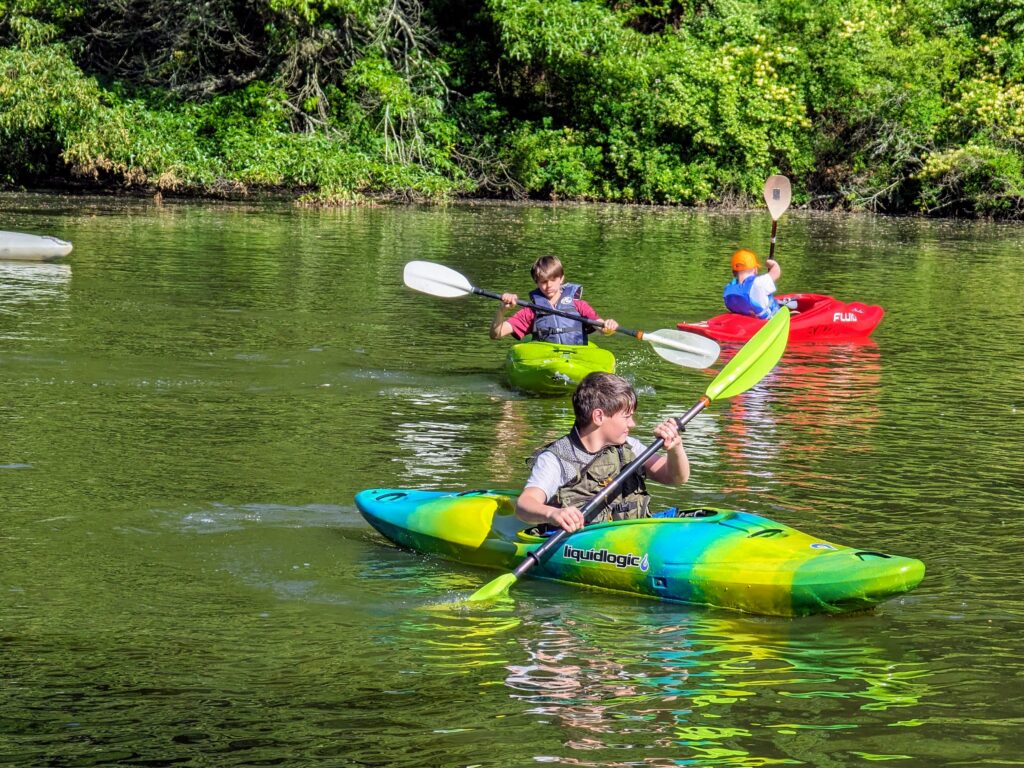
(916,105)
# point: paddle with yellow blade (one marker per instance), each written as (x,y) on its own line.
(751,364)
(679,347)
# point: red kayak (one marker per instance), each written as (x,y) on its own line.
(817,318)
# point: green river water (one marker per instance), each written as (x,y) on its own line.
(190,400)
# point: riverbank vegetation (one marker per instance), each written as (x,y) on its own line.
(906,106)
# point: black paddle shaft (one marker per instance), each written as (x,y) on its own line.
(560,313)
(596,504)
(771,250)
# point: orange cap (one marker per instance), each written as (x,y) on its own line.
(744,259)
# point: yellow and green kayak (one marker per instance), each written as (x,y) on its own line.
(543,368)
(714,557)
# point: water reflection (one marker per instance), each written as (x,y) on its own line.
(26,289)
(819,402)
(459,640)
(513,440)
(678,686)
(431,450)
(522,427)
(825,387)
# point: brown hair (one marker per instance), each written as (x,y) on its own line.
(611,393)
(546,267)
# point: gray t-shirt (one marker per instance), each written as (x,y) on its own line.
(549,474)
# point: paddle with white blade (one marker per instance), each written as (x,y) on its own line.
(686,349)
(751,364)
(777,195)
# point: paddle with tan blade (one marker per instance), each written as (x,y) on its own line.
(777,194)
(679,347)
(751,364)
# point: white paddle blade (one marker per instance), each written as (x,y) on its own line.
(777,195)
(688,349)
(436,279)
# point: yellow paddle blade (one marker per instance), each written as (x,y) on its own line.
(493,589)
(754,360)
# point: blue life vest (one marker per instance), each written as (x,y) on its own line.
(555,329)
(738,300)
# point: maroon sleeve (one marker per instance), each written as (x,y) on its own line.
(586,310)
(521,322)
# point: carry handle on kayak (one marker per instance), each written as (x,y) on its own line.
(751,364)
(688,349)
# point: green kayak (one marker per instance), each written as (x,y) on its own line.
(554,369)
(715,557)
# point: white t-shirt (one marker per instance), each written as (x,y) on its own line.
(762,289)
(548,473)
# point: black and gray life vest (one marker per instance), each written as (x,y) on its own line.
(584,474)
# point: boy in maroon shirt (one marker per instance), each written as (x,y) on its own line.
(552,291)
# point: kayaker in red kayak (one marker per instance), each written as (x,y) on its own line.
(567,473)
(749,293)
(552,291)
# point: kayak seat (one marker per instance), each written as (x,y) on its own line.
(545,531)
(537,532)
(676,512)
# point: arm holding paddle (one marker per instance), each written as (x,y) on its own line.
(500,327)
(532,507)
(674,467)
(750,293)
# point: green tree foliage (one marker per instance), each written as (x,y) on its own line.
(339,98)
(913,105)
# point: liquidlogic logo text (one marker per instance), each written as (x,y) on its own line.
(604,556)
